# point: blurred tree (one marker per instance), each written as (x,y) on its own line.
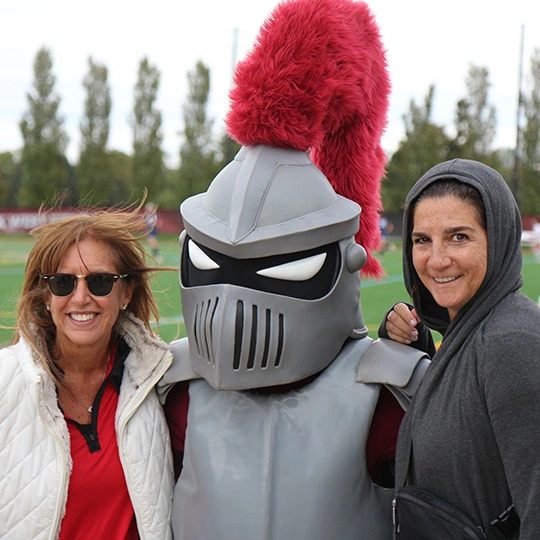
(425,144)
(44,167)
(228,149)
(198,160)
(93,179)
(168,198)
(503,159)
(121,176)
(530,169)
(475,120)
(8,169)
(148,167)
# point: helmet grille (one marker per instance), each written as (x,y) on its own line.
(258,337)
(259,324)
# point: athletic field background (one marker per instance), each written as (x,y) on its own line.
(376,296)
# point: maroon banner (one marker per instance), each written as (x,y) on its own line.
(17,221)
(20,220)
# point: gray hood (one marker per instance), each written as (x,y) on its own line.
(503,222)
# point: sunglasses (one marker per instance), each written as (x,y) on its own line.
(98,284)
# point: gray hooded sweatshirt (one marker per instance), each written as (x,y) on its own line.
(475,421)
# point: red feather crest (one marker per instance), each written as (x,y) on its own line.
(317,80)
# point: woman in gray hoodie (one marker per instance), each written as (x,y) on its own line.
(471,435)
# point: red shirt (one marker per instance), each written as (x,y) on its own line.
(98,504)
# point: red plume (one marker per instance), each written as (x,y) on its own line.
(316,79)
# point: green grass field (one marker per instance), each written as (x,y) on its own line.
(376,296)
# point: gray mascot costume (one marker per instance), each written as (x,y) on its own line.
(279,380)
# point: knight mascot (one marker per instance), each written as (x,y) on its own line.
(283,412)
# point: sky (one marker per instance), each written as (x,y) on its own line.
(427,43)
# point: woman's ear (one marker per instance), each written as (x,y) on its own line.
(47,300)
(128,293)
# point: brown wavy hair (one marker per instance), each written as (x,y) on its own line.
(122,229)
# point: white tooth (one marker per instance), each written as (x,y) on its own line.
(444,280)
(82,317)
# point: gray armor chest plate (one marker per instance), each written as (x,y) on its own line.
(282,466)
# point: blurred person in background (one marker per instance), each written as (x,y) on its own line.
(386,227)
(536,239)
(151,216)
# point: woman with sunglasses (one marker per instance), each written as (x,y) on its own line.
(85,449)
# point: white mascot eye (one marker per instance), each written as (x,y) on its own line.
(300,270)
(199,258)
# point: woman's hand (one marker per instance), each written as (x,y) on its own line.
(401,324)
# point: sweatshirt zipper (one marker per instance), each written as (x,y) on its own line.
(472,533)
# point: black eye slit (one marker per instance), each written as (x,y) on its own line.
(243,272)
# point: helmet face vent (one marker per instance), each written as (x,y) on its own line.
(268,323)
(203,325)
(253,340)
(238,334)
(258,326)
(281,333)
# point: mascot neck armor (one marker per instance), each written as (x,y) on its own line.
(269,271)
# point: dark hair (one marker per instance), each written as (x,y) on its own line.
(453,188)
